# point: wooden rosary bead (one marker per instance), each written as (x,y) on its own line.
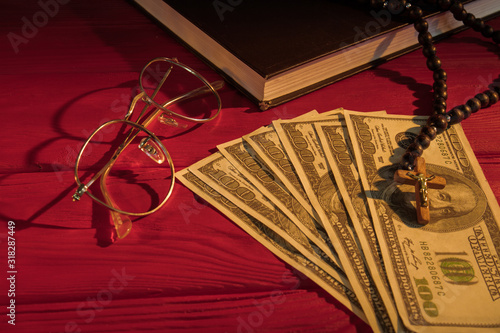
(425,38)
(474,104)
(440,101)
(466,110)
(421,26)
(423,140)
(440,84)
(440,74)
(487,31)
(416,13)
(478,25)
(406,165)
(484,99)
(429,131)
(434,63)
(441,91)
(439,109)
(429,51)
(493,96)
(438,121)
(409,158)
(469,20)
(456,116)
(415,148)
(444,4)
(456,8)
(395,6)
(460,16)
(441,94)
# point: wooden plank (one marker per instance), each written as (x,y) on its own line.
(192,269)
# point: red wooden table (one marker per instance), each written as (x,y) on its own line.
(67,68)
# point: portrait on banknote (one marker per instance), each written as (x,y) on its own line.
(460,205)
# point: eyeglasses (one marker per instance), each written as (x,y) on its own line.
(134,169)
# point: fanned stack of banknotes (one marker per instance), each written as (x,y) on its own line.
(318,191)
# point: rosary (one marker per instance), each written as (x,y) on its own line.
(412,165)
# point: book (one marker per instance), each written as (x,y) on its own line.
(274,51)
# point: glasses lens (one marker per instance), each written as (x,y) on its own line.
(136,174)
(180,91)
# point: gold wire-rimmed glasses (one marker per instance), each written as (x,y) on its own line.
(126,174)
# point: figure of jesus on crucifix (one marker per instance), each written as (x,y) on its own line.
(460,204)
(422,182)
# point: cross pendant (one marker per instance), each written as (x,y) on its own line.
(422,182)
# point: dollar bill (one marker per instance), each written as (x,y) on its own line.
(267,146)
(223,177)
(445,276)
(272,241)
(243,158)
(303,148)
(334,139)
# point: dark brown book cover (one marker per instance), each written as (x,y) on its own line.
(274,36)
(277,37)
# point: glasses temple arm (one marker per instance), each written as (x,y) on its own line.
(122,223)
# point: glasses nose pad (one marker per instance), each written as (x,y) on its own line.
(151,149)
(166,119)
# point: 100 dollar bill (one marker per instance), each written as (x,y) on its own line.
(445,276)
(335,142)
(304,150)
(267,146)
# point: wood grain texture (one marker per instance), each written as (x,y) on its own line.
(186,268)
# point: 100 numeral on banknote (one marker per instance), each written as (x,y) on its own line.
(445,276)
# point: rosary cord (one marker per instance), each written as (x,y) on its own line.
(440,120)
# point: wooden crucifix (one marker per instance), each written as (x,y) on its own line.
(422,182)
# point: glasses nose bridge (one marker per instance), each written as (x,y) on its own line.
(150,145)
(164,115)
